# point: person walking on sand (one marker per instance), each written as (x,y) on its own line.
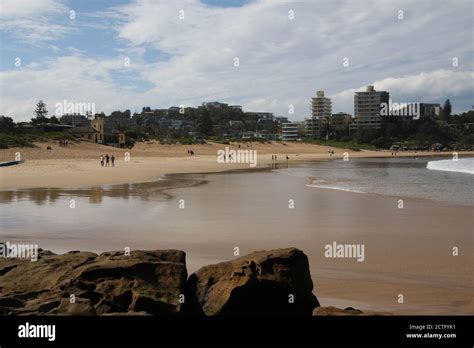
(107,160)
(112,159)
(102,160)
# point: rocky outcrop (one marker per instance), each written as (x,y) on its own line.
(264,282)
(83,283)
(155,283)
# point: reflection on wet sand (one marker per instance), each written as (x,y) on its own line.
(144,191)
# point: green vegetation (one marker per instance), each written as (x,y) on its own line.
(13,140)
(12,135)
(27,139)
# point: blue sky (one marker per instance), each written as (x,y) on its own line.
(184,53)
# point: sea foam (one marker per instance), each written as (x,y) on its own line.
(465,165)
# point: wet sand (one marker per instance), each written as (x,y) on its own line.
(407,251)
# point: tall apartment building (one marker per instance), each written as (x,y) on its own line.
(367,108)
(321,108)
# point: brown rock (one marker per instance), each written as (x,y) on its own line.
(81,306)
(264,282)
(145,282)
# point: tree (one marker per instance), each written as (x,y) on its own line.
(446,110)
(120,114)
(40,112)
(6,124)
(54,120)
(205,126)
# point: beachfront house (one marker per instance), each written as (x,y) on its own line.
(101,131)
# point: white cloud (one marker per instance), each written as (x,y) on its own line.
(34,21)
(73,78)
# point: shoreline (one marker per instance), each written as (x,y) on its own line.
(76,167)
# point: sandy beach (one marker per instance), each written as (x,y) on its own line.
(78,165)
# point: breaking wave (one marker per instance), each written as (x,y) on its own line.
(465,165)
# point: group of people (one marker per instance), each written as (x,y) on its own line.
(274,157)
(64,143)
(191,152)
(106,161)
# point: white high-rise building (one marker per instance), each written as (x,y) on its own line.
(321,106)
(321,109)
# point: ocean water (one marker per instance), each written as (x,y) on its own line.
(444,181)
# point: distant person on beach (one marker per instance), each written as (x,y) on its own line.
(273,158)
(112,159)
(102,160)
(107,160)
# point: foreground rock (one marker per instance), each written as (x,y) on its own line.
(264,282)
(83,283)
(155,283)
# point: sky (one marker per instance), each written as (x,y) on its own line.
(268,56)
